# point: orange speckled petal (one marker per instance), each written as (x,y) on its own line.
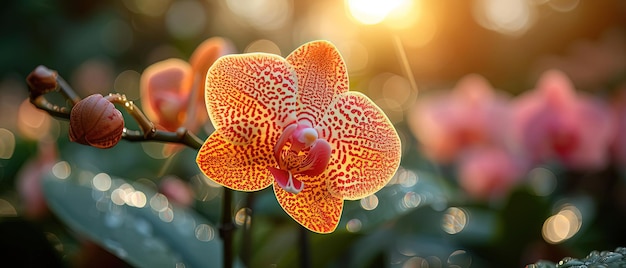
(249,95)
(314,207)
(322,74)
(365,147)
(239,167)
(201,60)
(162,89)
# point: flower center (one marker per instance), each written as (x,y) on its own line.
(299,151)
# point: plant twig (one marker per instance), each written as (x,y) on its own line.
(148,131)
(44,80)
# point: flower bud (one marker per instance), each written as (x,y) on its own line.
(96,122)
(41,80)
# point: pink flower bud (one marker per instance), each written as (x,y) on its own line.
(96,122)
(41,80)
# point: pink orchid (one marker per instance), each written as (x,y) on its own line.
(489,172)
(292,123)
(172,94)
(473,114)
(553,122)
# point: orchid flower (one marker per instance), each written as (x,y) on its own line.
(554,122)
(171,90)
(292,123)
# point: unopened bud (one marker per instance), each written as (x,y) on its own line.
(96,122)
(41,81)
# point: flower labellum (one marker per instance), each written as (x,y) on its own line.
(292,123)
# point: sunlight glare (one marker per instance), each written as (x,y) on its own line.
(373,11)
(511,17)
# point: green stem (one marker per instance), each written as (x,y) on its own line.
(227,227)
(305,248)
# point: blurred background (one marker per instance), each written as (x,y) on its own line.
(407,55)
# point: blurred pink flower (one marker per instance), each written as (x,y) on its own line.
(618,146)
(489,172)
(553,122)
(29,179)
(176,190)
(472,114)
(172,90)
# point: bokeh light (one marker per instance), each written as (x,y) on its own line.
(263,45)
(354,225)
(61,170)
(511,17)
(204,232)
(563,5)
(369,202)
(562,225)
(159,202)
(454,220)
(263,14)
(101,182)
(32,123)
(7,209)
(7,143)
(374,11)
(242,217)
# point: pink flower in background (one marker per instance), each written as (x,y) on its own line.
(618,146)
(552,122)
(176,190)
(172,90)
(472,114)
(30,176)
(489,172)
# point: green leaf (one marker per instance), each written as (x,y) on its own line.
(133,222)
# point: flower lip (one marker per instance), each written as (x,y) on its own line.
(306,155)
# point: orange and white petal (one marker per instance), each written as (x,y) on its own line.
(238,167)
(250,94)
(365,147)
(314,207)
(201,60)
(322,74)
(162,88)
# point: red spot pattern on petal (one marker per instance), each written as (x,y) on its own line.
(250,95)
(314,207)
(322,75)
(239,167)
(365,147)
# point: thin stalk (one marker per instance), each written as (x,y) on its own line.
(305,248)
(246,245)
(227,227)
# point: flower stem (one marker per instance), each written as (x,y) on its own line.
(305,248)
(246,251)
(227,227)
